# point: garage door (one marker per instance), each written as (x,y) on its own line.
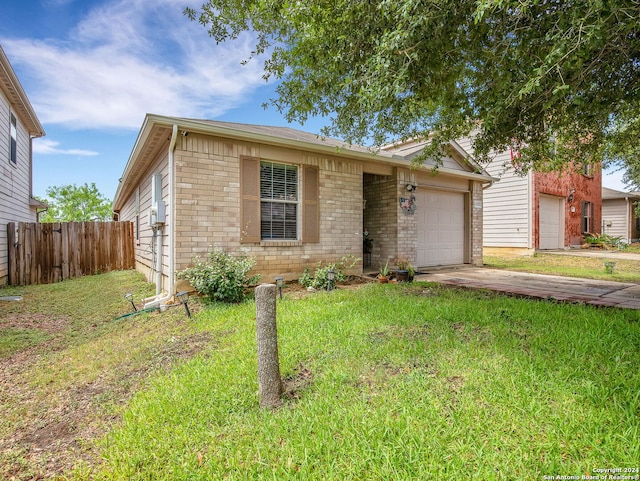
(551,222)
(441,227)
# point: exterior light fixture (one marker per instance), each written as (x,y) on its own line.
(571,192)
(129,297)
(411,187)
(331,275)
(183,297)
(280,284)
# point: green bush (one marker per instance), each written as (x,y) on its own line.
(320,279)
(605,240)
(221,277)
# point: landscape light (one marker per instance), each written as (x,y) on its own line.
(183,297)
(129,297)
(331,275)
(280,284)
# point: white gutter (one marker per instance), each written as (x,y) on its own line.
(159,299)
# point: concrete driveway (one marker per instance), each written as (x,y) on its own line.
(568,289)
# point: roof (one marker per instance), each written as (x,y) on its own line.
(611,194)
(13,90)
(157,129)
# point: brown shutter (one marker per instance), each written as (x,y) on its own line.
(310,205)
(249,199)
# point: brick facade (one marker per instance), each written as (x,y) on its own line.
(355,193)
(585,188)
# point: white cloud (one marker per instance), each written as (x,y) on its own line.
(48,147)
(130,57)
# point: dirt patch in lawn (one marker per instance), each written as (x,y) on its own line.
(48,431)
(44,322)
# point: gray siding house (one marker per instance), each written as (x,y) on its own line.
(19,125)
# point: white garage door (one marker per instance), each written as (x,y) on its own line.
(441,227)
(551,222)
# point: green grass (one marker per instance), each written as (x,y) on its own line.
(67,366)
(393,382)
(571,266)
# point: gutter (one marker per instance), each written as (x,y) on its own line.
(164,297)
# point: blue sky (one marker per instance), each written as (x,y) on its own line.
(93,68)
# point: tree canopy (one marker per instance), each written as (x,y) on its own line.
(556,80)
(70,203)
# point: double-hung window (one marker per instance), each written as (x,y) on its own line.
(278,201)
(586,216)
(13,154)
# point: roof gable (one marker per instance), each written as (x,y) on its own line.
(17,97)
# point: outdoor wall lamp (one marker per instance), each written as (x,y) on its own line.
(183,297)
(411,187)
(331,275)
(280,284)
(129,297)
(571,192)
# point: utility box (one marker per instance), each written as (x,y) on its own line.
(158,213)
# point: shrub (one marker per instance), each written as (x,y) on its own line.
(604,240)
(320,278)
(221,277)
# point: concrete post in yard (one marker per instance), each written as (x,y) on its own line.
(269,381)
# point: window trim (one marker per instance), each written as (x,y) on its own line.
(13,139)
(587,216)
(297,202)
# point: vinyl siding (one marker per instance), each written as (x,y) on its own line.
(145,247)
(615,211)
(506,204)
(15,181)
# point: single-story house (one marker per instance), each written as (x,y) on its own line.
(525,212)
(291,199)
(19,125)
(619,217)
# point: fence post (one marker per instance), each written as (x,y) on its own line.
(269,381)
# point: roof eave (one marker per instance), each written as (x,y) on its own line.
(18,95)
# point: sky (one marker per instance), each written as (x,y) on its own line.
(93,69)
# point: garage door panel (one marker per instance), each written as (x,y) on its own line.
(441,228)
(551,222)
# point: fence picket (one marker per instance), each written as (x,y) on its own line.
(45,253)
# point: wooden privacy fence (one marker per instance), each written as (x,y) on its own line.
(51,252)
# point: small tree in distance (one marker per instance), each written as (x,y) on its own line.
(70,203)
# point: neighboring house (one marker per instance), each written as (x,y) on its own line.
(290,199)
(618,214)
(19,125)
(537,211)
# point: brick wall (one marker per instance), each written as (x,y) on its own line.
(208,208)
(476,223)
(586,189)
(381,216)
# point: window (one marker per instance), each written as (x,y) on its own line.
(13,156)
(586,217)
(278,201)
(587,170)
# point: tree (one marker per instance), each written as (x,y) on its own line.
(556,80)
(70,203)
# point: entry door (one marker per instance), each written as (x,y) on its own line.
(551,222)
(441,227)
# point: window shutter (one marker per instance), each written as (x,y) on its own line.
(310,205)
(249,199)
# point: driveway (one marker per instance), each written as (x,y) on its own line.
(568,289)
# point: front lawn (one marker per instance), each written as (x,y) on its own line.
(411,381)
(394,382)
(626,270)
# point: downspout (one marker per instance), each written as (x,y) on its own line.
(158,298)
